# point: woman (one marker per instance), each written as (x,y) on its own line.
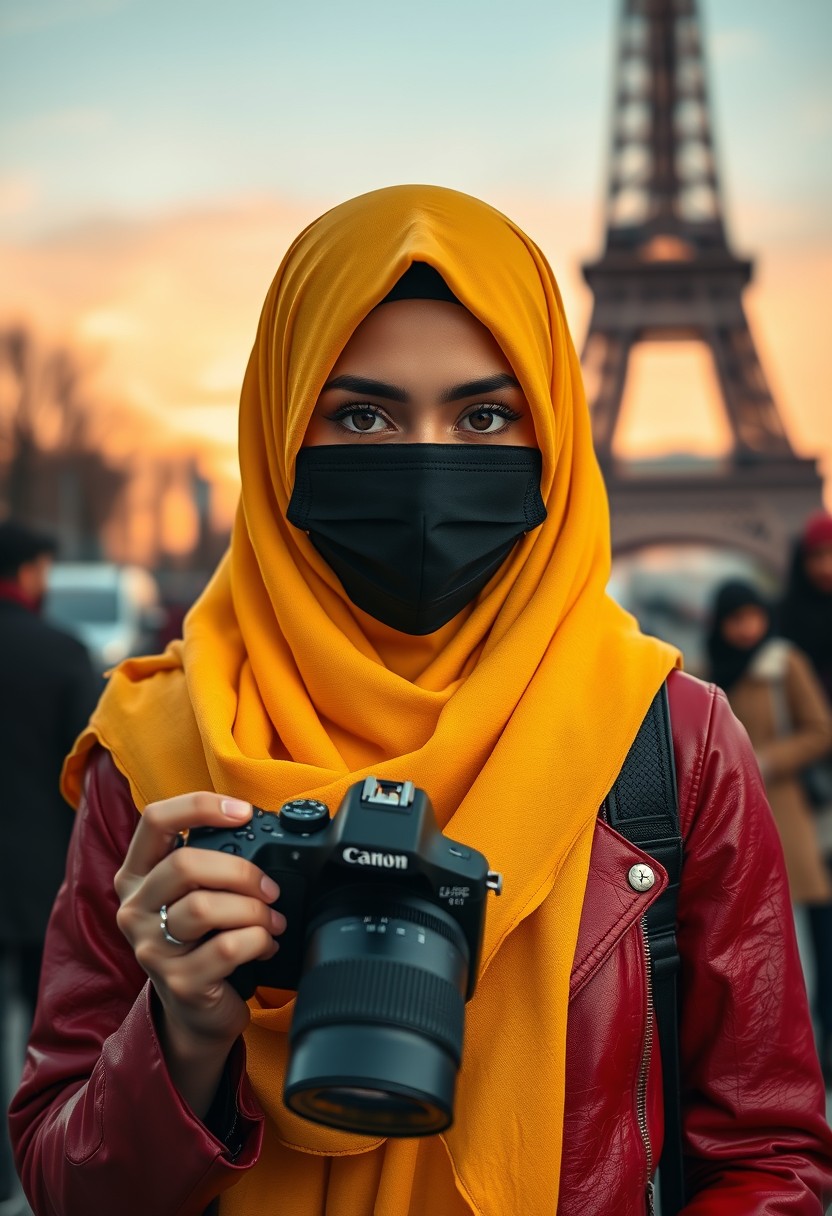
(773,691)
(476,654)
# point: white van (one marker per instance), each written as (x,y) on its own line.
(114,610)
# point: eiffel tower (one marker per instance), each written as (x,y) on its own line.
(668,273)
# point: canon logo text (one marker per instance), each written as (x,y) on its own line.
(386,861)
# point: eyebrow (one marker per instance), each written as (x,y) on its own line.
(391,392)
(373,388)
(474,388)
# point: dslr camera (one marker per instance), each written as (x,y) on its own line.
(385,917)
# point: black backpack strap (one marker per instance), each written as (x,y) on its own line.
(643,806)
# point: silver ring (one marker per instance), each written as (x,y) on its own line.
(163,924)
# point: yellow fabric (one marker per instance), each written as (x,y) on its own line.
(515,717)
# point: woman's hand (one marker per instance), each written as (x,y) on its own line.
(205,892)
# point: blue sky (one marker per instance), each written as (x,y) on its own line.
(136,106)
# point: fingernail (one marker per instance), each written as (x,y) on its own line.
(278,921)
(269,888)
(234,808)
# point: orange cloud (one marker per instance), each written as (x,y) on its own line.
(163,310)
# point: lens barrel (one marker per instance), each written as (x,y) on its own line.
(376,1037)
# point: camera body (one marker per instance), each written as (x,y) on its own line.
(384,841)
(385,919)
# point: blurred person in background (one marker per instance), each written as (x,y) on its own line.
(806,619)
(775,693)
(806,611)
(48,692)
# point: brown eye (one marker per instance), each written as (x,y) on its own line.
(360,420)
(363,420)
(482,420)
(488,420)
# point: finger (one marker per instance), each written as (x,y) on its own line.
(162,822)
(187,870)
(190,976)
(201,912)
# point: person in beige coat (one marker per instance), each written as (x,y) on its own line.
(778,698)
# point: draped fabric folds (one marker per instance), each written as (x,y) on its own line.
(515,717)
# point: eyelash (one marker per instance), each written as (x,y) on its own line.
(363,407)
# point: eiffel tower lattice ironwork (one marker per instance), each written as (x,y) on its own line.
(667,272)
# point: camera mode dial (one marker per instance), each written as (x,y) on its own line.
(304,815)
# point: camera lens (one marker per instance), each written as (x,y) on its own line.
(376,1038)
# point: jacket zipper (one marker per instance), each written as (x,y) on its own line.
(651,1199)
(646,1055)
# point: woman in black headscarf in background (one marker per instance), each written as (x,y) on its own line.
(776,695)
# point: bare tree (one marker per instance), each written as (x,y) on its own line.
(53,472)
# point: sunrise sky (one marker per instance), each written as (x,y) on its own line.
(157,156)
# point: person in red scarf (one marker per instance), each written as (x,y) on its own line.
(806,619)
(48,691)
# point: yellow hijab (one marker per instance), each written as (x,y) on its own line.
(515,717)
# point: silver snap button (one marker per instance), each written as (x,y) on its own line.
(641,877)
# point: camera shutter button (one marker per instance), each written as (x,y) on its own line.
(304,815)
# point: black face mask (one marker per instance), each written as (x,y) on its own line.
(415,531)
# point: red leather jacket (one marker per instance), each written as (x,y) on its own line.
(99,1128)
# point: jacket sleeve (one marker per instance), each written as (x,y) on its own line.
(80,689)
(810,736)
(756,1138)
(97,1125)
